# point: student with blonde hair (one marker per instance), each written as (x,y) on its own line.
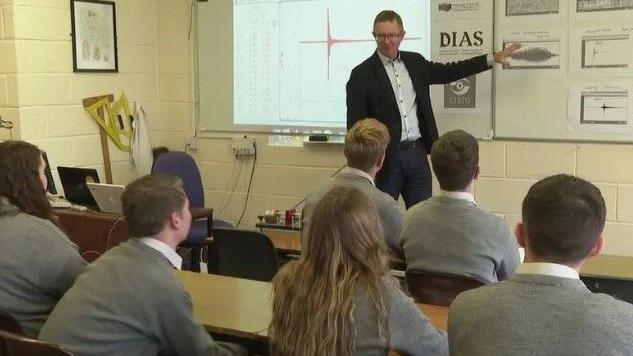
(365,145)
(339,299)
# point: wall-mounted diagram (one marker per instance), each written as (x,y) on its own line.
(535,54)
(604,107)
(531,7)
(603,5)
(605,51)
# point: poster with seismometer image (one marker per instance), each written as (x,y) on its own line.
(534,54)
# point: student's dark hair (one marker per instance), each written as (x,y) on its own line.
(148,202)
(455,158)
(157,151)
(388,16)
(563,217)
(20,181)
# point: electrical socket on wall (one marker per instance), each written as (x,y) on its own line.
(192,143)
(243,146)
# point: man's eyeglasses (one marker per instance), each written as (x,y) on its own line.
(382,37)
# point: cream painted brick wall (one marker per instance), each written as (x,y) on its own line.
(501,195)
(8,63)
(8,22)
(536,160)
(606,163)
(625,203)
(492,158)
(4,91)
(2,22)
(41,23)
(37,56)
(619,239)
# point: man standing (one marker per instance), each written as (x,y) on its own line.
(393,86)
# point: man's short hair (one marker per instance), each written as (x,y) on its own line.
(455,158)
(563,217)
(365,143)
(388,16)
(148,202)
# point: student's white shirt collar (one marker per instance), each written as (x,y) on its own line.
(458,195)
(547,269)
(165,250)
(358,172)
(386,60)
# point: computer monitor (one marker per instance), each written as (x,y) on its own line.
(74,183)
(49,176)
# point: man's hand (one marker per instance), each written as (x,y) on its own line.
(502,57)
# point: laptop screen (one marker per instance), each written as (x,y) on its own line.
(49,176)
(74,182)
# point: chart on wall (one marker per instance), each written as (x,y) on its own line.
(572,78)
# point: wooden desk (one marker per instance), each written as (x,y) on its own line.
(615,267)
(289,242)
(241,307)
(229,306)
(95,232)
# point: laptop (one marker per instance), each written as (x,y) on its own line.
(74,183)
(107,196)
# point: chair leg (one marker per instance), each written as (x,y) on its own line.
(195,259)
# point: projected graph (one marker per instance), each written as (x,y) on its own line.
(292,59)
(331,41)
(535,55)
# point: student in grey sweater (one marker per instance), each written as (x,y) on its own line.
(365,146)
(38,262)
(449,233)
(544,308)
(339,299)
(129,301)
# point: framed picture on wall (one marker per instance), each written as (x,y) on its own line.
(94,36)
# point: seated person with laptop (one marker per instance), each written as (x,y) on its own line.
(365,145)
(544,308)
(449,233)
(129,301)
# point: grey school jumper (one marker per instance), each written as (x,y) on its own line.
(455,236)
(129,302)
(38,263)
(411,332)
(391,214)
(539,315)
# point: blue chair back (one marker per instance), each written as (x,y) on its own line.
(182,165)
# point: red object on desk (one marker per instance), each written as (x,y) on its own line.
(289,216)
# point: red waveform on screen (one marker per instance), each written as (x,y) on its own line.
(331,41)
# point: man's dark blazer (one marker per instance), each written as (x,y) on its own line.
(370,94)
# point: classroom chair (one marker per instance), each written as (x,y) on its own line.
(8,323)
(182,165)
(437,288)
(243,254)
(18,345)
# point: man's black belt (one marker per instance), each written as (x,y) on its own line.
(405,145)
